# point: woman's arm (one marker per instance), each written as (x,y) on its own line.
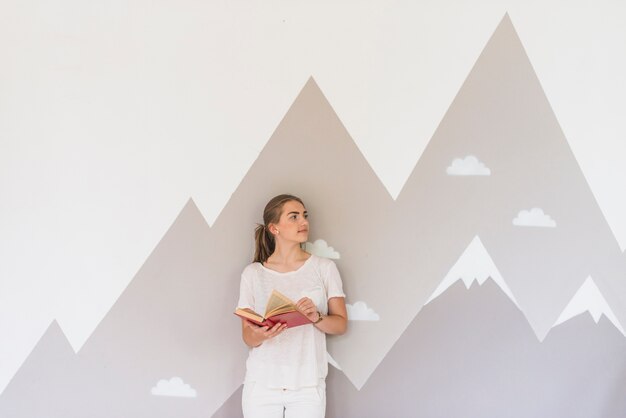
(254,335)
(336,322)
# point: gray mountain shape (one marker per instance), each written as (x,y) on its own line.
(158,328)
(164,325)
(175,317)
(473,354)
(39,387)
(502,116)
(232,407)
(312,155)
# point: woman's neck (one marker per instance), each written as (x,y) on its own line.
(288,255)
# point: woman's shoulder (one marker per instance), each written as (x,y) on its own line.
(321,262)
(252,269)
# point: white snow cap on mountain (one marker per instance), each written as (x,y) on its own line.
(588,298)
(474,264)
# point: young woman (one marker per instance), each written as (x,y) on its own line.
(286,368)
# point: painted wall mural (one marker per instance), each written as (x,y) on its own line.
(470,353)
(468,294)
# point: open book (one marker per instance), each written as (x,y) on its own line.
(279,309)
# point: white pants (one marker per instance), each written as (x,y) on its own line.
(259,401)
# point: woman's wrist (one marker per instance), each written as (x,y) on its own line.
(319,318)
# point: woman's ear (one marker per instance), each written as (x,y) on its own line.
(273,230)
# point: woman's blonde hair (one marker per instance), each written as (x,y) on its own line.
(264,243)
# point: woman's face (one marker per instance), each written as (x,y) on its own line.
(293,224)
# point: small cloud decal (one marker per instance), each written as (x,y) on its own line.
(173,387)
(360,312)
(321,249)
(534,217)
(468,166)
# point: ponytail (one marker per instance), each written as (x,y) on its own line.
(263,244)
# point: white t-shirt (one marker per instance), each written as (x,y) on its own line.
(296,357)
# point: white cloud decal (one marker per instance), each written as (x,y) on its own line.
(173,387)
(321,249)
(468,166)
(534,217)
(360,312)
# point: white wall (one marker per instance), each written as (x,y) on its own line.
(113,114)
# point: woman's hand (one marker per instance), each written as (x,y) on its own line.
(336,322)
(254,335)
(308,309)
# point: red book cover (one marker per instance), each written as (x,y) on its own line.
(292,319)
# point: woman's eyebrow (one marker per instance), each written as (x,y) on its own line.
(297,213)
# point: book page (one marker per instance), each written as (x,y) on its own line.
(249,313)
(278,303)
